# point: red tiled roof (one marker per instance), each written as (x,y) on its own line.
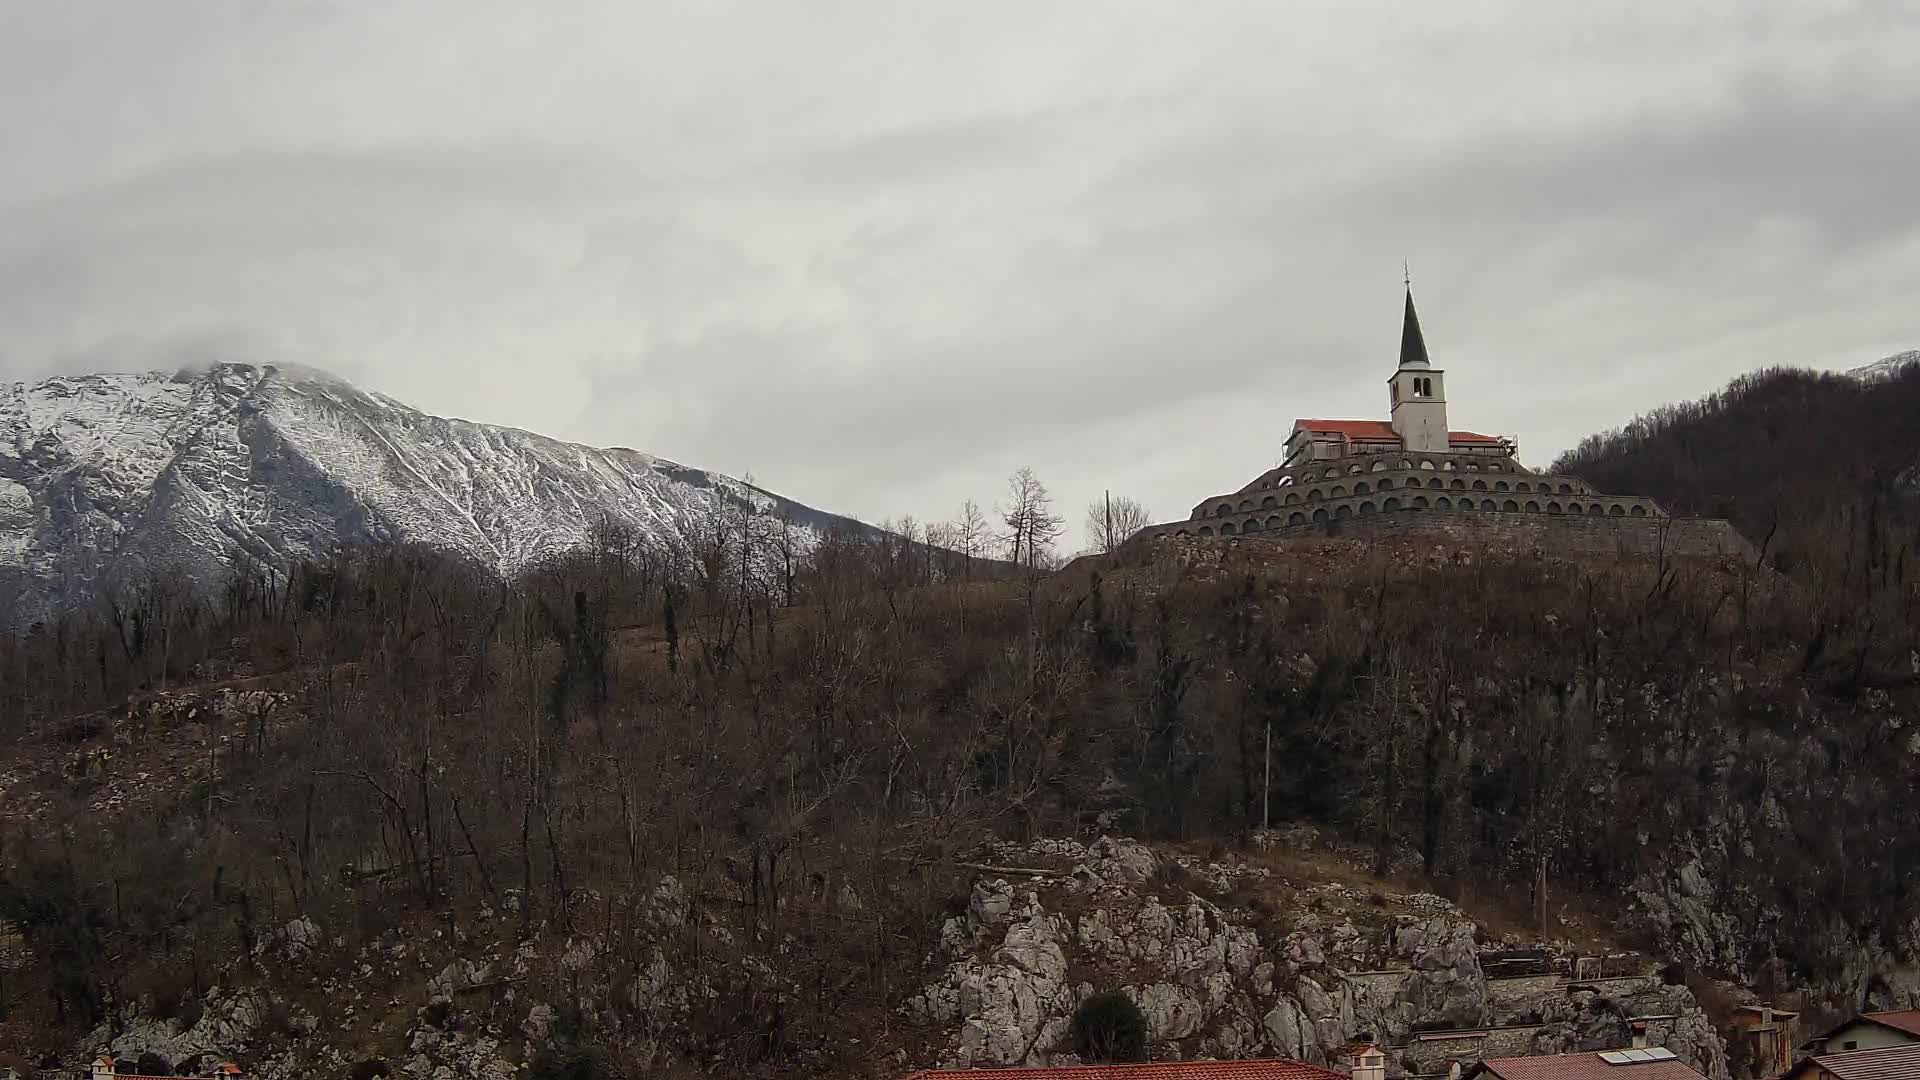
(1907,1020)
(1352,429)
(1265,1069)
(227,1068)
(1588,1066)
(1887,1063)
(1381,430)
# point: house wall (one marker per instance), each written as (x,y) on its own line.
(1868,1036)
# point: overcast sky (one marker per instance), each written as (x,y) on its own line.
(878,254)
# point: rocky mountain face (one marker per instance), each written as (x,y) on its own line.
(1886,366)
(107,479)
(1223,957)
(1215,979)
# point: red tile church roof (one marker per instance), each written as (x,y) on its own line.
(1352,429)
(1268,1069)
(1380,431)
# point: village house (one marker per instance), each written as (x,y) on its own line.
(1871,1031)
(1368,1064)
(1644,1063)
(105,1067)
(1899,1062)
(1763,1037)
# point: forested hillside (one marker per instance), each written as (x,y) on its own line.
(1809,464)
(800,755)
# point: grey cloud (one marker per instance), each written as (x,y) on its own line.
(879,257)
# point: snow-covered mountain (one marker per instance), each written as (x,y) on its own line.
(1880,369)
(106,478)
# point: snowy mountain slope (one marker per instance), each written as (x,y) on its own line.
(106,478)
(1882,368)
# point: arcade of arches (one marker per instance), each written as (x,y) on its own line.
(1307,497)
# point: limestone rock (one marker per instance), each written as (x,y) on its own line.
(991,903)
(1447,987)
(668,905)
(1011,1007)
(1172,1012)
(1116,861)
(1286,1029)
(539,1023)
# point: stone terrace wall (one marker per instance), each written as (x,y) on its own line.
(1591,536)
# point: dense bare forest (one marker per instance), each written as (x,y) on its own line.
(1799,460)
(813,739)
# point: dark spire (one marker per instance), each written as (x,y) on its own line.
(1413,345)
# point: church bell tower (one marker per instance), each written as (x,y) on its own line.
(1419,391)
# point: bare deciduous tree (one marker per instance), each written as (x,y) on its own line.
(971,533)
(1111,520)
(1032,526)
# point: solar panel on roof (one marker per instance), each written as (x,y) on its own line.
(1637,1056)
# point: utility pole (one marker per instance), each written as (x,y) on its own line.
(1540,894)
(1106,535)
(1266,780)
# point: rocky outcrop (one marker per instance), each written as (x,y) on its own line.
(1701,925)
(227,1023)
(1223,957)
(1217,981)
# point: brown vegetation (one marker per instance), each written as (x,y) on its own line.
(810,739)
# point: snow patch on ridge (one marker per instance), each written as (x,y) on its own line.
(1886,367)
(105,477)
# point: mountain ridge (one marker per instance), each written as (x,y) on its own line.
(1886,365)
(109,477)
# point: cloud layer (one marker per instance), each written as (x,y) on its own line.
(880,254)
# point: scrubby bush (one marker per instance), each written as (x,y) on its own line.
(569,1063)
(1108,1028)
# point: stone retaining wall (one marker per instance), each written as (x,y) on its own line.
(1565,534)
